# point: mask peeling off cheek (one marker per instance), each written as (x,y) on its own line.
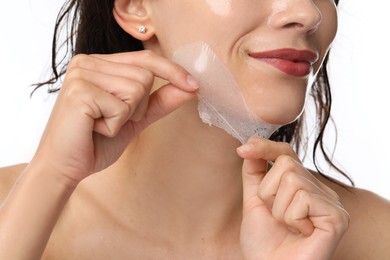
(221,102)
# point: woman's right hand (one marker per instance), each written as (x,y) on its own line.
(106,101)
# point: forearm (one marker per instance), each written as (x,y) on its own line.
(30,212)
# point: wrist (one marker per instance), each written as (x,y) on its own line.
(47,171)
(32,209)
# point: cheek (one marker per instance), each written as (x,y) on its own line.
(178,23)
(220,7)
(208,21)
(326,32)
(171,30)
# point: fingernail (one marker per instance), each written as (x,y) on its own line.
(245,148)
(192,82)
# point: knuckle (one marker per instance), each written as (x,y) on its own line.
(146,78)
(289,219)
(265,194)
(286,161)
(148,54)
(289,178)
(118,116)
(138,91)
(135,95)
(74,88)
(76,96)
(74,73)
(122,112)
(301,196)
(73,85)
(78,60)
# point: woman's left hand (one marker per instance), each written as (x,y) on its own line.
(287,212)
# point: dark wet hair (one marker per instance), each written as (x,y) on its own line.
(91,29)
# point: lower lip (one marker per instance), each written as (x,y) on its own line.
(296,69)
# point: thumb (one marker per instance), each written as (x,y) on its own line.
(253,172)
(164,101)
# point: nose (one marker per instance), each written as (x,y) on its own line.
(301,15)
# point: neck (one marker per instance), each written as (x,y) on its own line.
(183,178)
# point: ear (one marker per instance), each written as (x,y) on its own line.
(131,15)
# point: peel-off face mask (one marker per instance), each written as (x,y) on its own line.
(221,102)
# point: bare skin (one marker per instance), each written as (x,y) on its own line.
(126,169)
(88,229)
(189,207)
(140,210)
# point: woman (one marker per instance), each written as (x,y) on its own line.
(126,169)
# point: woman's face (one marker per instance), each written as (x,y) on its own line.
(273,48)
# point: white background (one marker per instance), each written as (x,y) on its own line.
(359,75)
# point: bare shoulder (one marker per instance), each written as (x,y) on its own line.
(8,177)
(368,235)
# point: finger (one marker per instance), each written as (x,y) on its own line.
(284,169)
(260,148)
(308,212)
(159,66)
(285,160)
(297,214)
(253,172)
(164,101)
(114,114)
(121,87)
(107,112)
(256,152)
(101,66)
(289,185)
(134,93)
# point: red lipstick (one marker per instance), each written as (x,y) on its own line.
(297,63)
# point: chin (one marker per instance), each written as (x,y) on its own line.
(280,119)
(279,115)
